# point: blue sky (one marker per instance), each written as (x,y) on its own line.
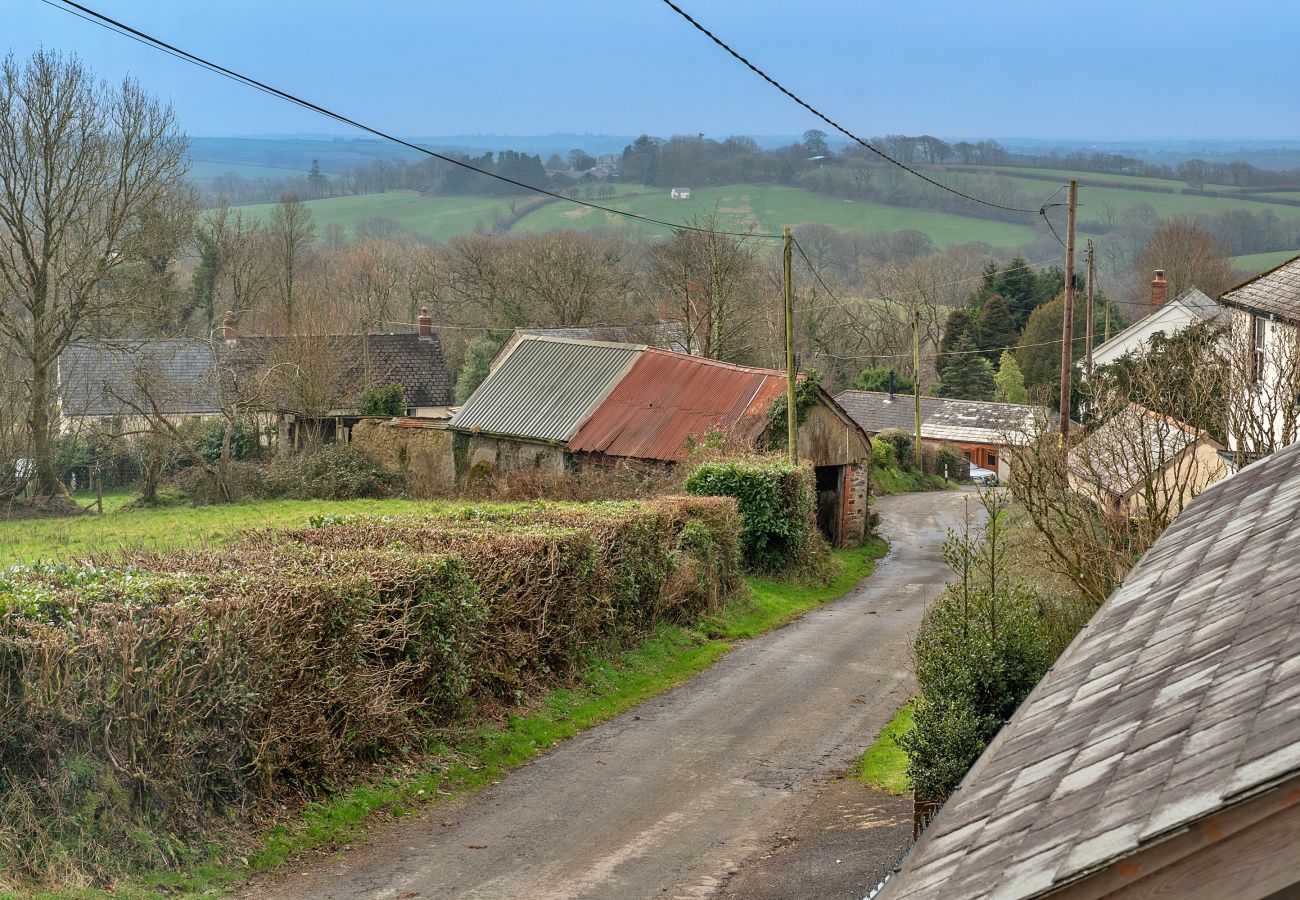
(1103,71)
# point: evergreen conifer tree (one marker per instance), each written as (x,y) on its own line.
(997,329)
(967,375)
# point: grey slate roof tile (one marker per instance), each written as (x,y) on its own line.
(107,378)
(1275,292)
(1194,659)
(942,418)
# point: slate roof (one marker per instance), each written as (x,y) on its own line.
(1201,304)
(1119,453)
(942,419)
(546,388)
(1275,292)
(667,397)
(415,363)
(664,335)
(1179,699)
(113,378)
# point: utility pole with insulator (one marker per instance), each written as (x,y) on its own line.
(1067,327)
(791,420)
(916,383)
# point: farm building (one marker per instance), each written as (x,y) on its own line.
(1160,756)
(301,382)
(559,403)
(979,431)
(681,193)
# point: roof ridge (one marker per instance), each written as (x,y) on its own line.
(896,394)
(738,367)
(1252,280)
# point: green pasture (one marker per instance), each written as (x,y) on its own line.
(1254,263)
(768,207)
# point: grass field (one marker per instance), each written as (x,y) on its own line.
(434,218)
(172,526)
(1093,200)
(1254,263)
(769,207)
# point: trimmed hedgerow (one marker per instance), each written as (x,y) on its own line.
(559,580)
(778,511)
(164,699)
(149,700)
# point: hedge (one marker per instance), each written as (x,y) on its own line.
(778,511)
(172,693)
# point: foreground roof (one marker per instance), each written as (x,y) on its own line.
(122,377)
(942,418)
(1275,292)
(666,398)
(546,388)
(1180,699)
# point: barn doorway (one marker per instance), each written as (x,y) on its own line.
(830,500)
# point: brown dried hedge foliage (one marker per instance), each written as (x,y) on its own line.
(559,580)
(164,692)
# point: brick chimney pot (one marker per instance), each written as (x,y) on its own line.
(1159,289)
(424,324)
(228,328)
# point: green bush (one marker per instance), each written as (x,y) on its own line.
(243,441)
(882,454)
(383,400)
(982,646)
(778,511)
(901,441)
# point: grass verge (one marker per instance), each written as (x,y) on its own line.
(884,765)
(607,687)
(899,481)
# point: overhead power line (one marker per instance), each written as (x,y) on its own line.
(836,125)
(111,24)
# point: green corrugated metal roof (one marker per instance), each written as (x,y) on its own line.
(546,388)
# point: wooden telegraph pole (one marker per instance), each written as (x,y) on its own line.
(916,383)
(1067,327)
(791,420)
(1087,338)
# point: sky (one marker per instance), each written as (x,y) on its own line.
(1140,69)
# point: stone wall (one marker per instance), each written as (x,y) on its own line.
(421,448)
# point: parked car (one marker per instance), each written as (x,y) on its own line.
(981,475)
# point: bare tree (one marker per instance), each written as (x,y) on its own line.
(1099,503)
(1191,258)
(713,283)
(84,169)
(569,277)
(288,239)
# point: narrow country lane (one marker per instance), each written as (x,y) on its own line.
(670,798)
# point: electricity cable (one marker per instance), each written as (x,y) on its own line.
(111,24)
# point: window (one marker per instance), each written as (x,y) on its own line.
(1258,343)
(992,460)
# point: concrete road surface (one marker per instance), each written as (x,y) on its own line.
(671,798)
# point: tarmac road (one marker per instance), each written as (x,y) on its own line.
(671,799)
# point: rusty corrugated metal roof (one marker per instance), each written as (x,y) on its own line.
(666,398)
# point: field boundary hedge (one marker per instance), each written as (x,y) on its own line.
(156,699)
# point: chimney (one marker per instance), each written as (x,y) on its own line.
(228,328)
(424,324)
(891,384)
(1159,288)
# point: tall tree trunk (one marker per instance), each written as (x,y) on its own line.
(38,421)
